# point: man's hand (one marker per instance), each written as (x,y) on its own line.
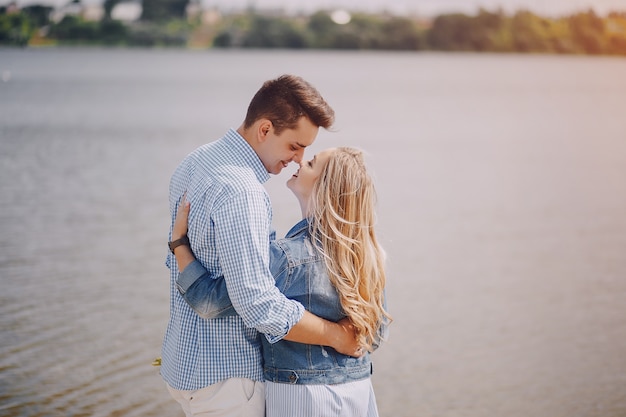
(347,342)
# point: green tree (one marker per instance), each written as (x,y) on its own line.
(459,32)
(530,33)
(112,32)
(108,6)
(162,10)
(74,29)
(15,29)
(223,39)
(401,34)
(38,14)
(346,38)
(367,29)
(322,30)
(271,32)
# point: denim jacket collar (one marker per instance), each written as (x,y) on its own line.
(299,228)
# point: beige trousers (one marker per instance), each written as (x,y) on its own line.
(234,397)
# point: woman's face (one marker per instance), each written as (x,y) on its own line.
(301,183)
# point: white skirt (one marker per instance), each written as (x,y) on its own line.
(353,399)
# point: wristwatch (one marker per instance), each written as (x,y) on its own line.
(176,243)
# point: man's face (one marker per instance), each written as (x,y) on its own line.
(277,151)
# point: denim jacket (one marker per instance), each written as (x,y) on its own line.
(300,274)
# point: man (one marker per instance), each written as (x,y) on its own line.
(214,367)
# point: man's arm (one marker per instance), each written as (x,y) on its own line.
(209,297)
(314,330)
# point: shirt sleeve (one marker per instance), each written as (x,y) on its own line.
(242,238)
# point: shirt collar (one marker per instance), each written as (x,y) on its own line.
(248,155)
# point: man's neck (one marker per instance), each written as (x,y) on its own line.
(245,134)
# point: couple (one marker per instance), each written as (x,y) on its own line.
(301,313)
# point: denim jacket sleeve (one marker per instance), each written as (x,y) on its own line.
(206,295)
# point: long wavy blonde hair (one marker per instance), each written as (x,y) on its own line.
(343,217)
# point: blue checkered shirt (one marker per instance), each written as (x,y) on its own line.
(229,231)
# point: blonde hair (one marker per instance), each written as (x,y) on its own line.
(342,228)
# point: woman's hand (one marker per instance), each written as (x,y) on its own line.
(182,217)
(183,253)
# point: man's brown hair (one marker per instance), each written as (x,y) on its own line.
(285,100)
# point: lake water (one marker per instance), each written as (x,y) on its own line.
(502,206)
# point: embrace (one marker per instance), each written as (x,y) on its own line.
(264,326)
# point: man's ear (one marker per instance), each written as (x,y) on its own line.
(264,128)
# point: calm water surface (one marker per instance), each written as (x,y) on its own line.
(502,195)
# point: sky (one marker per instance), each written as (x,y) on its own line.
(416,7)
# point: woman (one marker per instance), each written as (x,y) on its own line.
(332,263)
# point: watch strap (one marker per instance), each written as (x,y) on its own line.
(178,242)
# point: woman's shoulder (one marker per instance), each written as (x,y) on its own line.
(297,250)
(286,247)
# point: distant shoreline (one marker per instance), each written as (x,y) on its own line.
(583,33)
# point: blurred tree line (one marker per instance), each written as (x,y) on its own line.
(580,33)
(166,22)
(162,23)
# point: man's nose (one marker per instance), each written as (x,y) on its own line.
(298,155)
